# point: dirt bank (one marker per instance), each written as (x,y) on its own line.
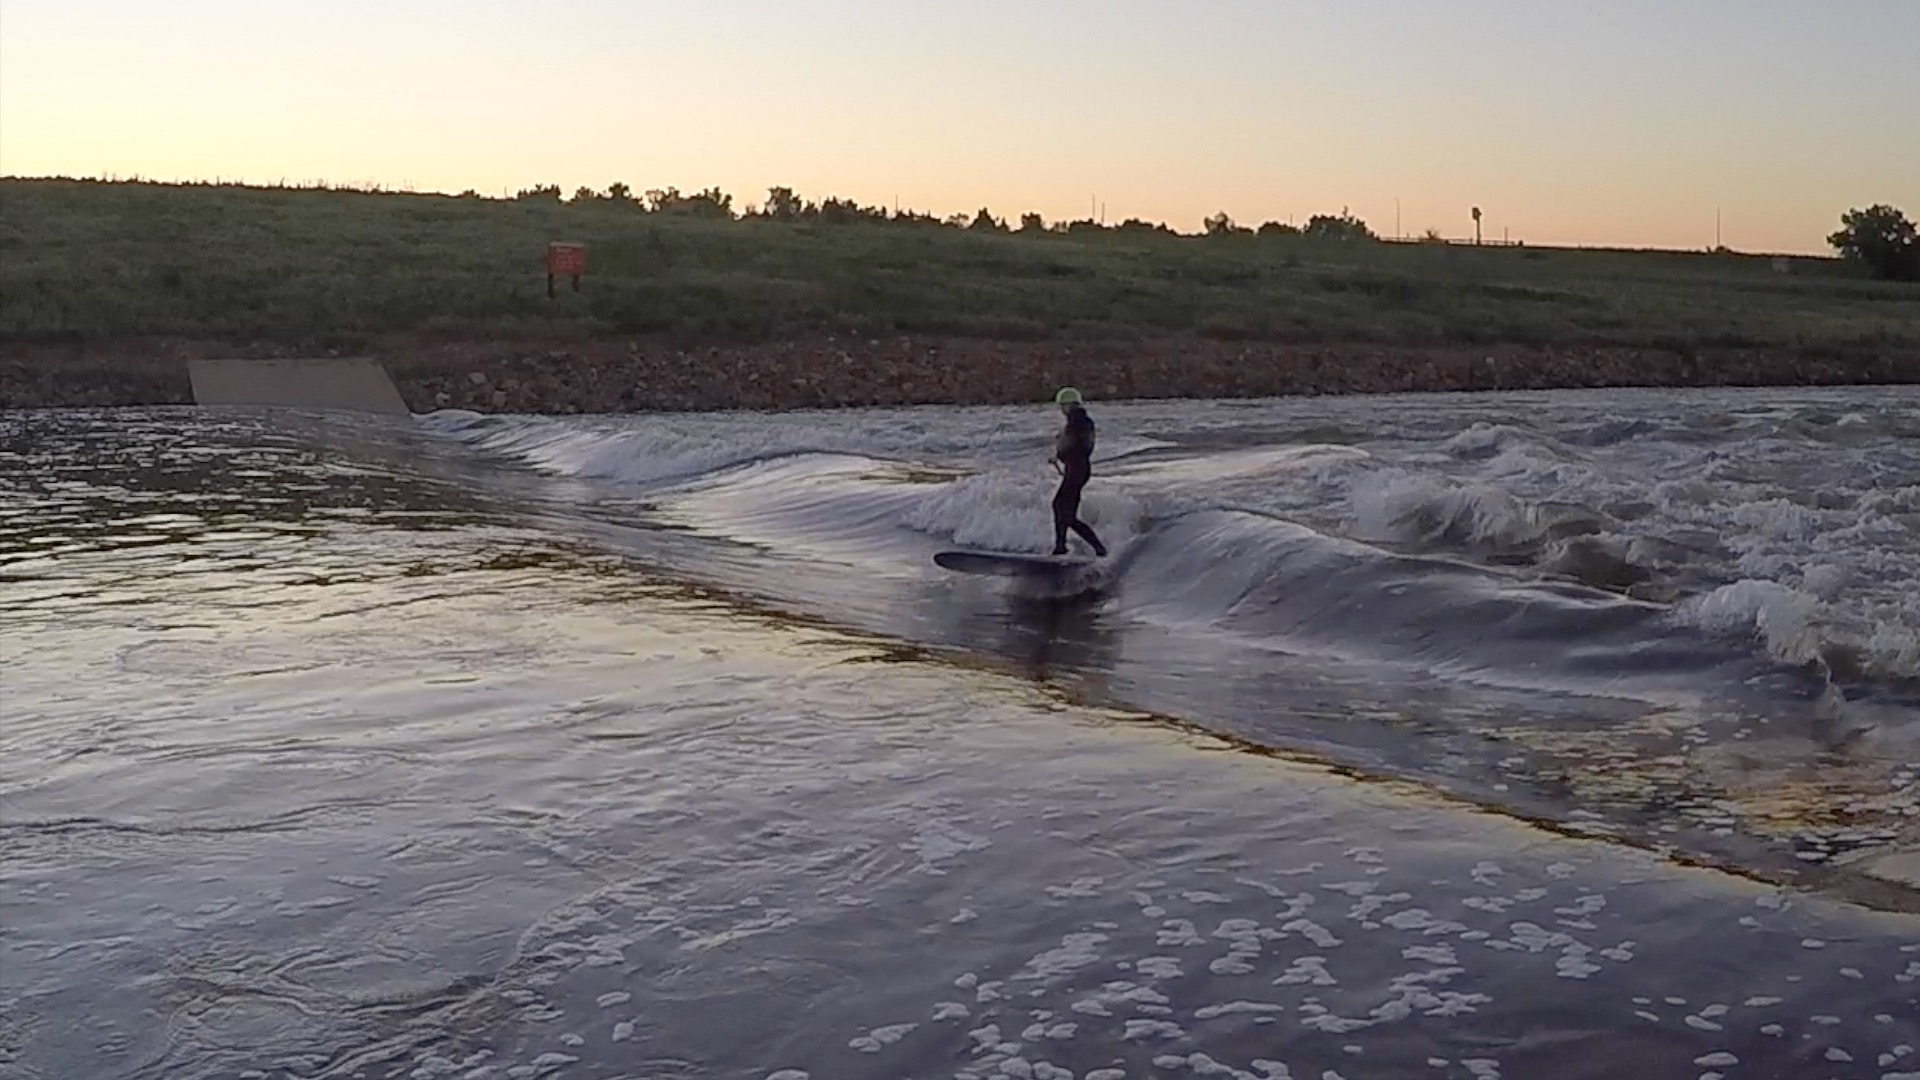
(825,370)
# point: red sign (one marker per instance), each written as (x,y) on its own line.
(569,260)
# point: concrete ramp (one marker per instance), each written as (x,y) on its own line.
(360,385)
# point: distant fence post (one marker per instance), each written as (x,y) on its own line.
(567,259)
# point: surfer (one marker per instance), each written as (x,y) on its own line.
(1073,460)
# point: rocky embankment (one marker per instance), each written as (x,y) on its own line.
(840,370)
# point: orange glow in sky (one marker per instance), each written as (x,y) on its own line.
(1625,123)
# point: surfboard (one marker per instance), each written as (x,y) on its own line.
(1009,563)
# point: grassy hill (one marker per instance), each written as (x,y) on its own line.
(83,260)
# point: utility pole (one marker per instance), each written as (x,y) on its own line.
(1397,234)
(1716,228)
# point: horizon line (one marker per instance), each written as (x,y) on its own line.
(375,187)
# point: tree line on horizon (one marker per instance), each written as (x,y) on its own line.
(784,205)
(1879,238)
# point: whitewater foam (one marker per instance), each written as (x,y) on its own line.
(1801,545)
(1401,507)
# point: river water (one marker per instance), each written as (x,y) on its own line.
(1541,735)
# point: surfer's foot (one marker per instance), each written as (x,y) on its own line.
(1099,551)
(1060,549)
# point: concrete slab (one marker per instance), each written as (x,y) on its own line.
(357,384)
(1899,868)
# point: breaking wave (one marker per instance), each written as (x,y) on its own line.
(1495,554)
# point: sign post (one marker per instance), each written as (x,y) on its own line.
(566,259)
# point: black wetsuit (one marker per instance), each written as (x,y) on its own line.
(1074,450)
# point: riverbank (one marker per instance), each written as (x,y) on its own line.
(568,375)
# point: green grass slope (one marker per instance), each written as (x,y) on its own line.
(85,260)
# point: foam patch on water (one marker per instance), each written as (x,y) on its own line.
(1782,617)
(647,449)
(1395,506)
(1483,440)
(938,842)
(1168,1015)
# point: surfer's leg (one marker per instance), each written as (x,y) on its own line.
(1066,515)
(1066,502)
(1085,532)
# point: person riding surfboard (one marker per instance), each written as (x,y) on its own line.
(1073,460)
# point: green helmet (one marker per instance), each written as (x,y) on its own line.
(1067,396)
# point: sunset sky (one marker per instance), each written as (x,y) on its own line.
(1618,122)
